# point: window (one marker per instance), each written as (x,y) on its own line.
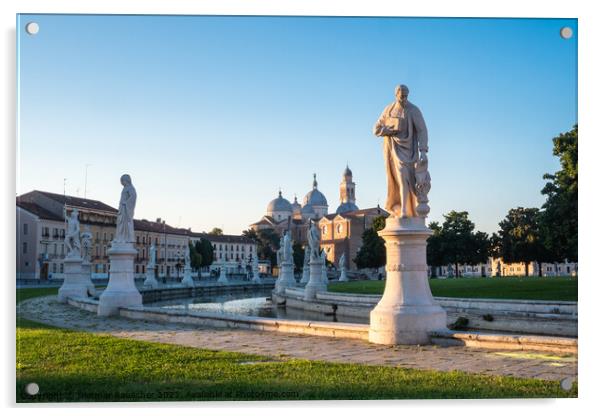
(24,248)
(137,239)
(53,267)
(137,269)
(61,268)
(25,228)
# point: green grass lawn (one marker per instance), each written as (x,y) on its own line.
(529,288)
(78,366)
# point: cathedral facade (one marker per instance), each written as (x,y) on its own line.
(340,232)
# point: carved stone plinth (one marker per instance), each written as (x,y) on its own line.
(151,281)
(222,275)
(305,275)
(75,283)
(187,279)
(286,278)
(121,290)
(316,283)
(407,312)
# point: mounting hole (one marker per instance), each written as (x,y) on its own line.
(566,32)
(32,28)
(32,389)
(566,383)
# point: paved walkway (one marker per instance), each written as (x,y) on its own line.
(519,364)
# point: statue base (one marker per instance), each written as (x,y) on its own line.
(187,280)
(407,311)
(315,284)
(121,290)
(286,279)
(151,281)
(87,272)
(305,276)
(75,283)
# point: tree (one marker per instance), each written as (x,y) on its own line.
(205,249)
(196,258)
(378,223)
(481,248)
(216,231)
(457,239)
(298,257)
(372,254)
(434,252)
(558,220)
(268,242)
(520,238)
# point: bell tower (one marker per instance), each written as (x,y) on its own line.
(347,187)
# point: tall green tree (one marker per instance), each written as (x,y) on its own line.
(559,212)
(205,249)
(519,235)
(372,254)
(268,242)
(298,256)
(196,258)
(434,252)
(457,239)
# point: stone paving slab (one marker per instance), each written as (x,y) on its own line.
(278,345)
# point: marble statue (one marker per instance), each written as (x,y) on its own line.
(86,242)
(152,254)
(287,248)
(342,262)
(125,216)
(187,258)
(313,239)
(405,147)
(72,237)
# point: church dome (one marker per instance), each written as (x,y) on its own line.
(279,204)
(314,197)
(296,206)
(346,207)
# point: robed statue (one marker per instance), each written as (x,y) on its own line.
(313,239)
(86,243)
(152,256)
(72,238)
(125,216)
(287,250)
(405,146)
(342,262)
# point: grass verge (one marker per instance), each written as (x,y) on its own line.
(71,366)
(526,288)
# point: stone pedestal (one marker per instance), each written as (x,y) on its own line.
(87,272)
(121,290)
(316,283)
(187,279)
(343,277)
(222,275)
(75,283)
(286,278)
(305,276)
(407,312)
(324,274)
(151,281)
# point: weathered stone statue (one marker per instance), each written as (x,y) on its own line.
(125,216)
(121,290)
(286,276)
(86,242)
(152,256)
(186,257)
(407,312)
(287,248)
(72,237)
(405,147)
(342,262)
(313,240)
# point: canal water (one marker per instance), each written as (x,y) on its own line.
(253,303)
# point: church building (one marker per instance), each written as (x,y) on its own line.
(340,232)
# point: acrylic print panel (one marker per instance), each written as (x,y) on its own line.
(287,206)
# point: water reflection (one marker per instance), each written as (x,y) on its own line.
(254,303)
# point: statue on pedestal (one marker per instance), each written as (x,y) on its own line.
(72,237)
(152,256)
(86,242)
(313,240)
(125,216)
(405,147)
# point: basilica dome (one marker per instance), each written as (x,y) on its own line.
(315,197)
(280,205)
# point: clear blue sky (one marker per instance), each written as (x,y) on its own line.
(212,115)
